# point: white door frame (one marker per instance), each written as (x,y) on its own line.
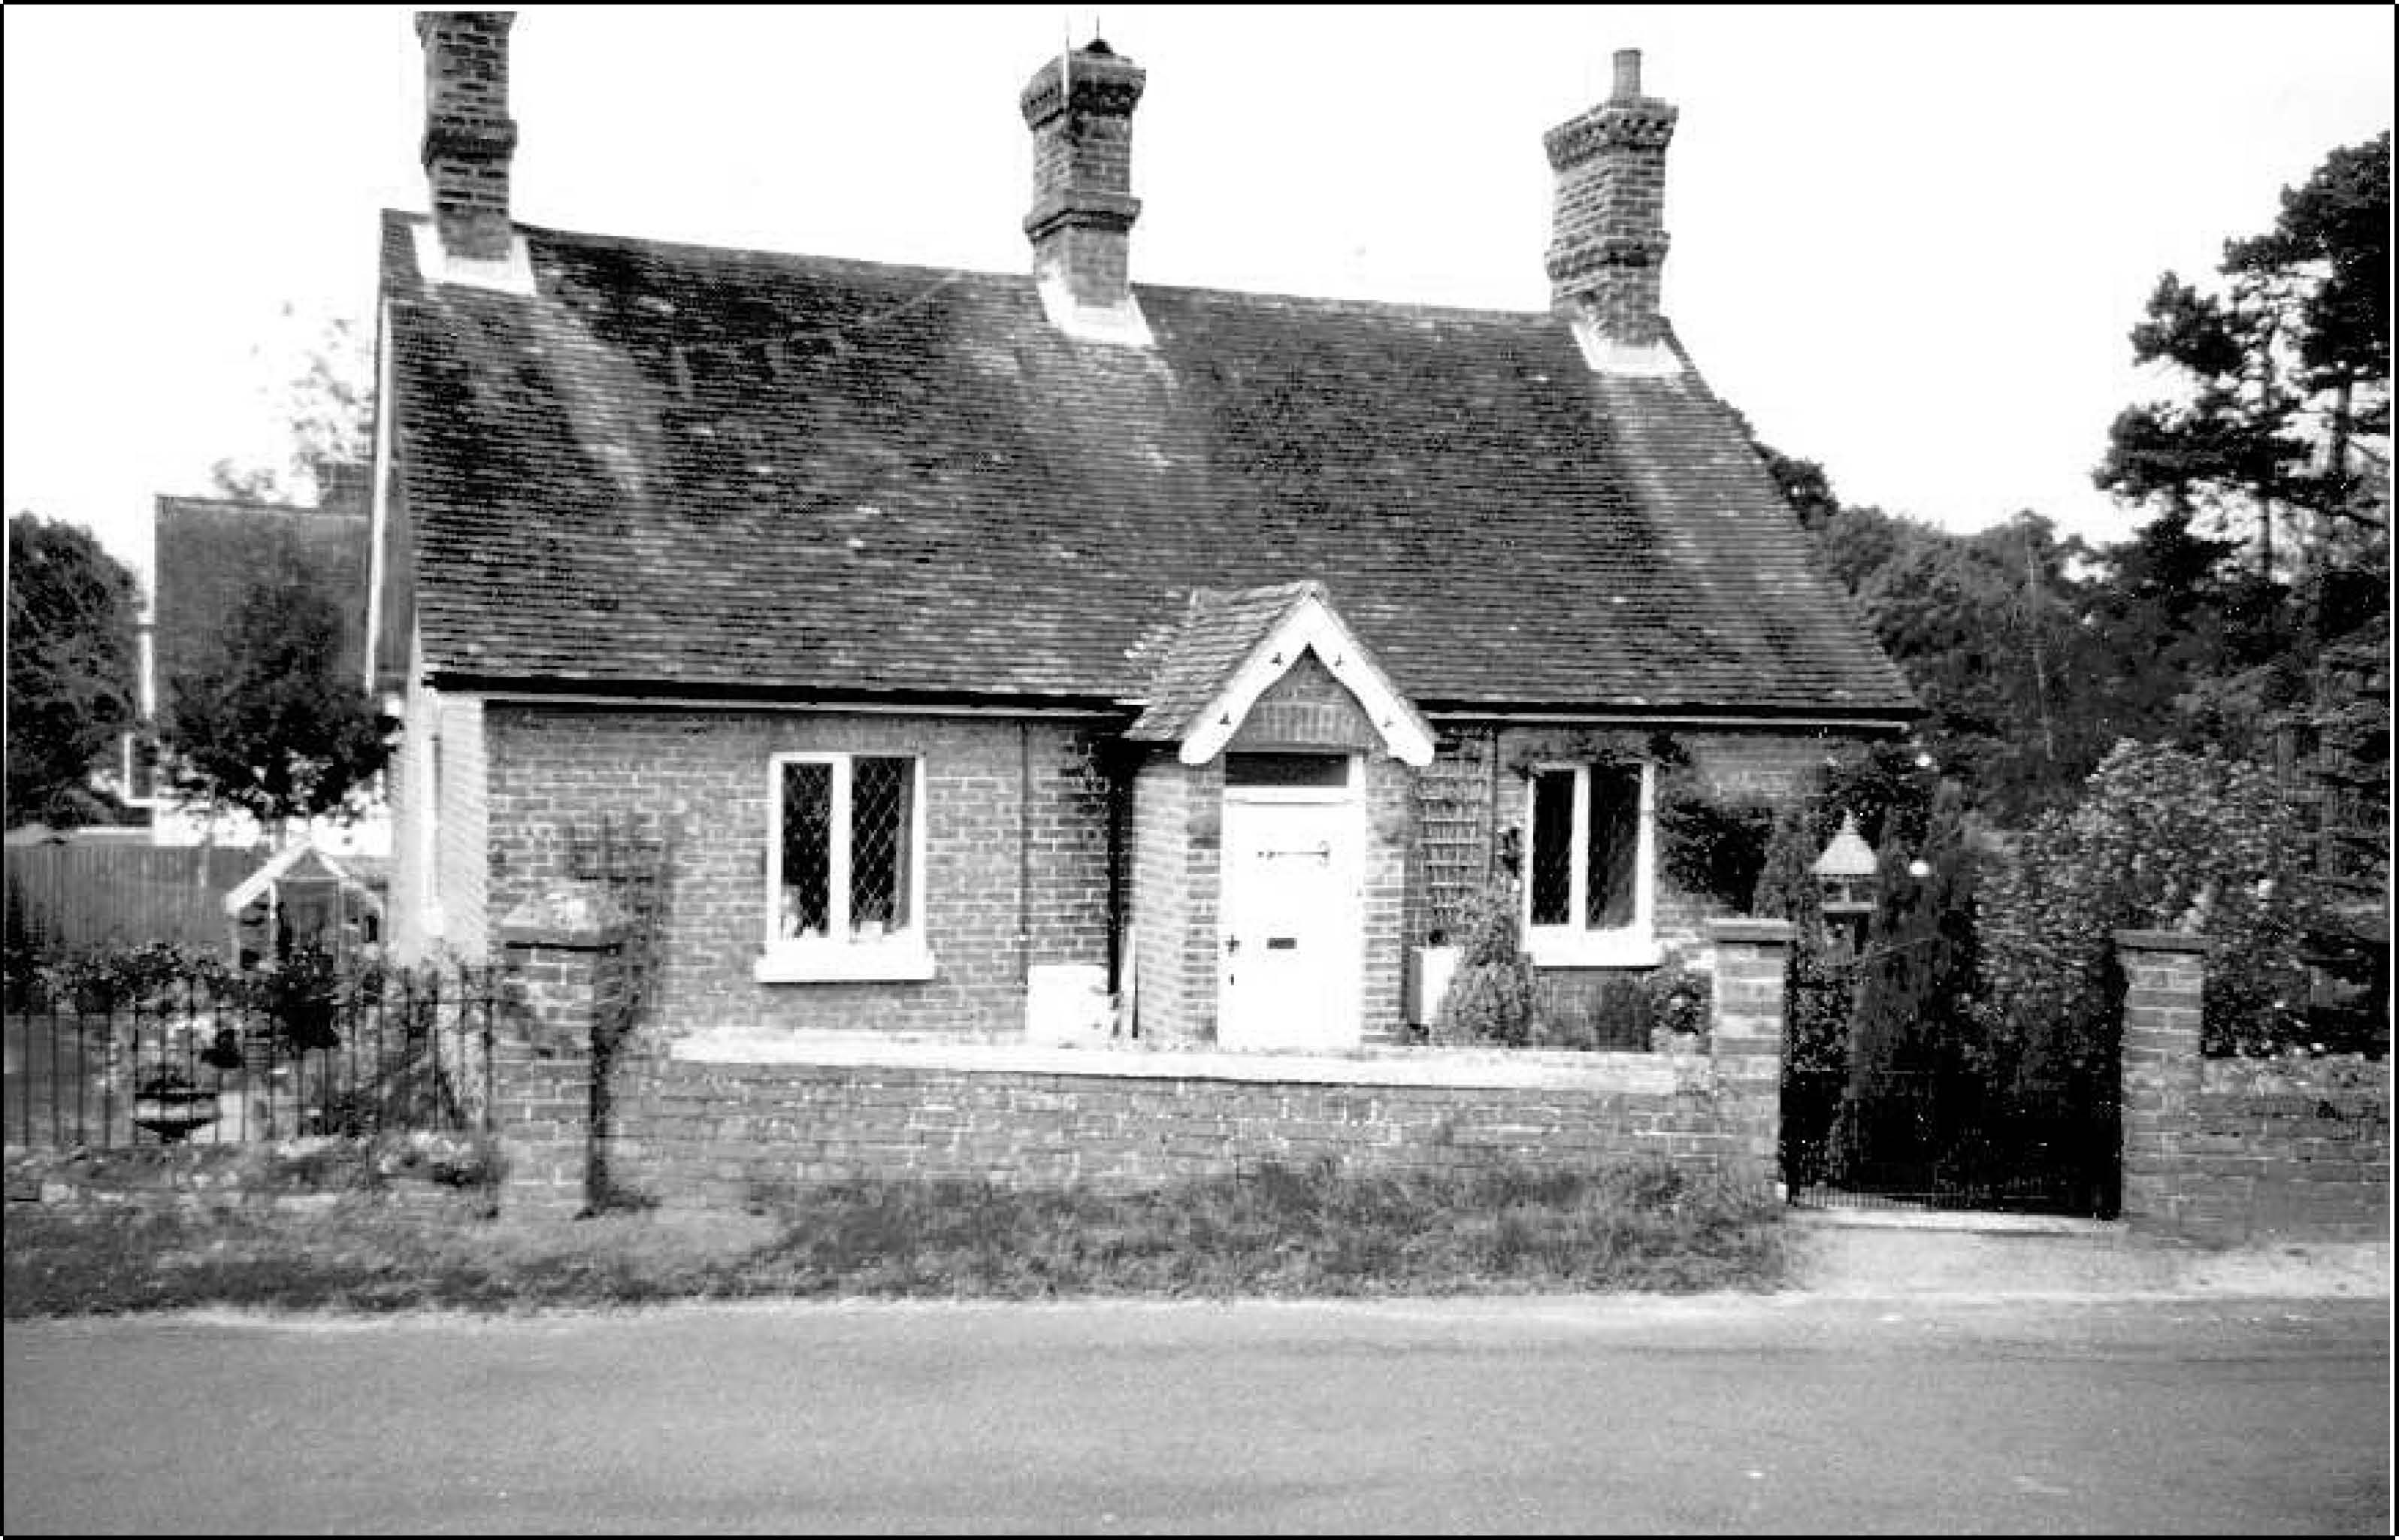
(1344,809)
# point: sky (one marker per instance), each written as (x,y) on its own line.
(1908,242)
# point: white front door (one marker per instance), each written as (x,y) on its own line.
(1292,952)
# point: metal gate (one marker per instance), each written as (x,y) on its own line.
(1940,1129)
(1948,1138)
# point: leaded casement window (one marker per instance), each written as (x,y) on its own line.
(844,868)
(1588,884)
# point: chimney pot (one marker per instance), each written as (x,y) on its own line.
(1607,231)
(1079,107)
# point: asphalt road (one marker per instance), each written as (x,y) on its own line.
(1791,1413)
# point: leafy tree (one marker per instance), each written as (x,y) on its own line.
(71,668)
(2284,370)
(1916,976)
(2285,415)
(269,722)
(1989,629)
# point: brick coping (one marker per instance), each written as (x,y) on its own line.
(1482,1069)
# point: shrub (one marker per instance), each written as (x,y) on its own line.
(153,977)
(1713,849)
(1916,976)
(299,994)
(2162,838)
(1675,1001)
(1645,1010)
(1490,997)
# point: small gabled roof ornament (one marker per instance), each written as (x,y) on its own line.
(1848,855)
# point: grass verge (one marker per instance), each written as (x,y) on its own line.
(1279,1232)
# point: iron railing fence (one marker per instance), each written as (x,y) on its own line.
(230,1060)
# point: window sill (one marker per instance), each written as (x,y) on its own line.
(900,961)
(1593,949)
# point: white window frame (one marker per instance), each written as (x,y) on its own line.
(838,956)
(1575,944)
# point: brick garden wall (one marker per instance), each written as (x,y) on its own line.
(730,1130)
(2292,1147)
(716,1135)
(294,1176)
(2233,1149)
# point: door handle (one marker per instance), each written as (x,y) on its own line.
(1232,945)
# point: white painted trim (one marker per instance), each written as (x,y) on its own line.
(1310,625)
(1550,949)
(901,955)
(901,960)
(828,707)
(1459,1068)
(509,275)
(1575,944)
(426,751)
(1121,326)
(1605,355)
(378,500)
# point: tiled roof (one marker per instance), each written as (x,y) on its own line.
(1216,632)
(209,551)
(712,471)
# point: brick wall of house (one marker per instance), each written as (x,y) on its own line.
(1012,880)
(2233,1150)
(1177,824)
(1474,788)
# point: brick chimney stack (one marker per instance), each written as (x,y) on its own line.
(1607,233)
(1079,107)
(469,138)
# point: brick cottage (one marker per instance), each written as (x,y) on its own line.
(1000,661)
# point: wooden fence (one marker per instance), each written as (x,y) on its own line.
(78,895)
